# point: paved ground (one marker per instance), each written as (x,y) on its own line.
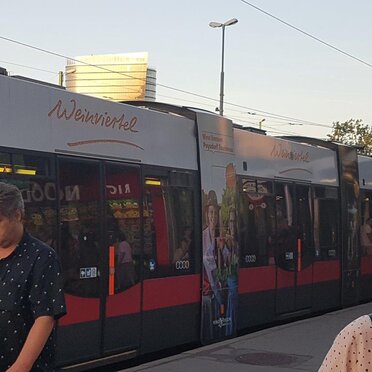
(298,346)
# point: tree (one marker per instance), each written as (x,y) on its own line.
(354,133)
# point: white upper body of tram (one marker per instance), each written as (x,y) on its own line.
(42,118)
(274,158)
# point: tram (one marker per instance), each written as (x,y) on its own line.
(173,225)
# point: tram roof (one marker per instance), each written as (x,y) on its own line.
(168,108)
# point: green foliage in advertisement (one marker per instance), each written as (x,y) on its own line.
(228,201)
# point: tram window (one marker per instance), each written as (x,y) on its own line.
(5,163)
(123,224)
(366,224)
(179,178)
(286,234)
(326,192)
(31,165)
(325,223)
(39,197)
(304,208)
(79,226)
(256,223)
(24,164)
(168,229)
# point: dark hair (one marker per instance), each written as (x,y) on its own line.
(10,200)
(122,236)
(212,199)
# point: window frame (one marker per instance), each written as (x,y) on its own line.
(250,260)
(320,256)
(177,179)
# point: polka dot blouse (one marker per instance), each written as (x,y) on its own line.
(30,286)
(352,348)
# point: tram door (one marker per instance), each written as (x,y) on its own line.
(80,236)
(293,247)
(100,249)
(123,239)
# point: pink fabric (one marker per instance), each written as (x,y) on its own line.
(352,348)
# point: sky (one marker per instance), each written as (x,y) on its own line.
(273,72)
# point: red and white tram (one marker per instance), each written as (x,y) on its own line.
(173,225)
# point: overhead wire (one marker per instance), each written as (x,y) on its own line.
(31,68)
(184,100)
(281,116)
(307,34)
(242,120)
(274,130)
(273,118)
(160,85)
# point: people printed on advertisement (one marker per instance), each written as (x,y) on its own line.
(220,262)
(231,259)
(211,294)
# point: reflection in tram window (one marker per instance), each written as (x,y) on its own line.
(325,223)
(366,224)
(351,198)
(304,212)
(183,248)
(125,272)
(285,237)
(5,163)
(183,251)
(25,164)
(256,223)
(31,165)
(123,224)
(168,232)
(32,174)
(79,185)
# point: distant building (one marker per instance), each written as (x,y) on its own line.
(118,77)
(3,71)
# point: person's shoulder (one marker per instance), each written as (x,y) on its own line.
(355,325)
(41,248)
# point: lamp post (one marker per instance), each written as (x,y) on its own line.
(230,22)
(260,123)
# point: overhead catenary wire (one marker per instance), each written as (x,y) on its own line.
(185,100)
(281,116)
(307,34)
(270,128)
(274,130)
(276,119)
(161,85)
(280,134)
(30,67)
(96,66)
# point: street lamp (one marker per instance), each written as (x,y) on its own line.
(260,123)
(230,22)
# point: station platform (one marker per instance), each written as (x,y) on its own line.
(296,346)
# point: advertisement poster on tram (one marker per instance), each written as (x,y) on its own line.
(219,215)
